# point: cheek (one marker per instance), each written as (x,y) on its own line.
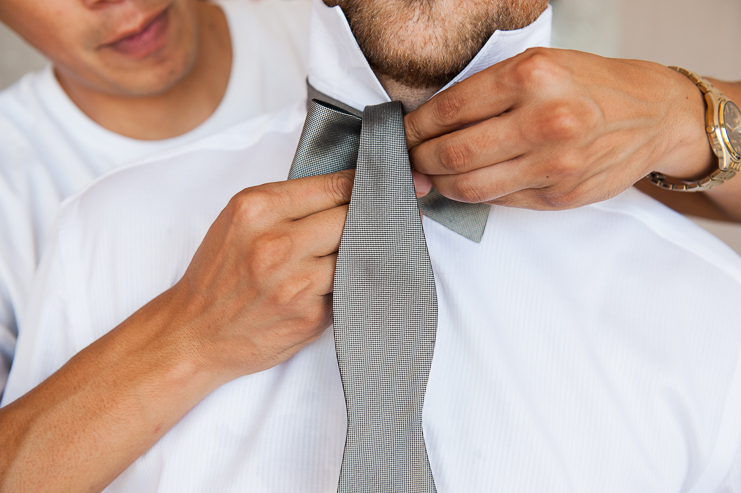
(52,26)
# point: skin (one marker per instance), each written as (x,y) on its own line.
(157,85)
(257,290)
(253,295)
(560,129)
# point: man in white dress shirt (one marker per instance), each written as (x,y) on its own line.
(584,350)
(127,80)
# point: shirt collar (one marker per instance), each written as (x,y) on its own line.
(339,69)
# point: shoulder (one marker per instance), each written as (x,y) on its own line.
(19,102)
(34,149)
(20,109)
(198,176)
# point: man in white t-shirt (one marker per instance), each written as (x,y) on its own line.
(582,350)
(127,80)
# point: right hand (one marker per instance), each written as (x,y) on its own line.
(259,286)
(257,290)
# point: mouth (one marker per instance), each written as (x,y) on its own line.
(144,39)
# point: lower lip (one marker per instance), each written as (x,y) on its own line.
(144,43)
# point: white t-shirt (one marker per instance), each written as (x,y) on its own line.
(50,149)
(576,351)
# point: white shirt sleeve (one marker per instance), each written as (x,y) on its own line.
(732,483)
(44,344)
(7,341)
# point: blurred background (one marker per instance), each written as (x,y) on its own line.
(701,35)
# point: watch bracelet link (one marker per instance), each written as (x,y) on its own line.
(717,177)
(701,83)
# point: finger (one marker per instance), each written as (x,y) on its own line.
(321,232)
(422,184)
(555,198)
(489,142)
(299,198)
(492,182)
(480,97)
(323,270)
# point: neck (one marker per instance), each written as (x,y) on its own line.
(180,108)
(411,98)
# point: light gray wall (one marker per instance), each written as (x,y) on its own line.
(16,57)
(588,25)
(701,35)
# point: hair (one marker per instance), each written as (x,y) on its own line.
(425,43)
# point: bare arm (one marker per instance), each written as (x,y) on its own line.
(257,290)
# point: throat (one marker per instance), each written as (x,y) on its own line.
(411,98)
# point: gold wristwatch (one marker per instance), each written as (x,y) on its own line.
(723,126)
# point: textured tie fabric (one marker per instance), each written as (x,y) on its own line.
(384,300)
(468,220)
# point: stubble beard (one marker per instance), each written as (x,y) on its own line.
(423,44)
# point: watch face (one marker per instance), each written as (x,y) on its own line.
(731,125)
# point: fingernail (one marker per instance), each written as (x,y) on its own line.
(422,184)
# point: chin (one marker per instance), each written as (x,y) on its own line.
(154,79)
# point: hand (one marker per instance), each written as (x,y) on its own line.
(556,129)
(259,287)
(256,291)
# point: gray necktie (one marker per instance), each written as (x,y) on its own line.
(384,300)
(468,220)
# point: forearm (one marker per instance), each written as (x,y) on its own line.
(257,291)
(90,420)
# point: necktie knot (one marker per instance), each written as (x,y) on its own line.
(330,141)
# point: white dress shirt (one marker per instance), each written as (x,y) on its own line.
(49,149)
(589,350)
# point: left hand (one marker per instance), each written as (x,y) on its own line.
(556,129)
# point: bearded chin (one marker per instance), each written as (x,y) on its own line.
(424,44)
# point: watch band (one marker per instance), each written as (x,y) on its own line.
(713,99)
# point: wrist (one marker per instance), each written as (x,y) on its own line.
(688,155)
(161,338)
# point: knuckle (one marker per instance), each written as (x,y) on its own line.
(412,129)
(559,200)
(467,190)
(454,156)
(315,318)
(309,320)
(537,67)
(252,206)
(289,291)
(339,185)
(449,108)
(561,122)
(269,253)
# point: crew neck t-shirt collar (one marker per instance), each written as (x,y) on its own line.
(101,140)
(338,68)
